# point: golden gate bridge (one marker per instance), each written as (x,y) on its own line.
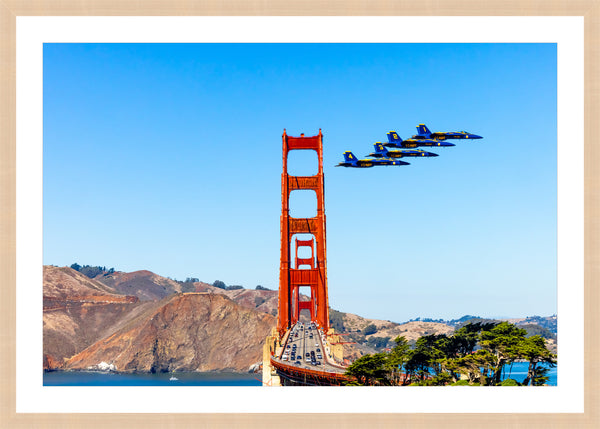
(303,352)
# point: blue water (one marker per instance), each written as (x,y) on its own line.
(88,378)
(519,372)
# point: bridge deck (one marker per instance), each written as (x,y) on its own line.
(306,355)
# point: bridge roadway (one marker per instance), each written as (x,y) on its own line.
(305,354)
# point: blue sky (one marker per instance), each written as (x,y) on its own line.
(167,157)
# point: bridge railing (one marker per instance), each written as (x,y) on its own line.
(331,376)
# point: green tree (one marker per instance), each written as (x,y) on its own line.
(396,359)
(465,338)
(503,341)
(428,357)
(475,366)
(76,266)
(476,354)
(535,351)
(369,369)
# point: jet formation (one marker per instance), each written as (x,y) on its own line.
(407,148)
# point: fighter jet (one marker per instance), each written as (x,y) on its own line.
(351,161)
(395,141)
(424,133)
(382,152)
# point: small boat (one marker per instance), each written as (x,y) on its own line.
(173,378)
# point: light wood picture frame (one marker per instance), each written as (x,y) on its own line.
(10,10)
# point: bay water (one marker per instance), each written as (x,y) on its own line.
(91,378)
(518,372)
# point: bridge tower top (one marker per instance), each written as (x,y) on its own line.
(314,271)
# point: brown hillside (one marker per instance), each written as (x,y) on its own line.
(66,283)
(144,284)
(186,332)
(261,300)
(258,299)
(414,330)
(78,311)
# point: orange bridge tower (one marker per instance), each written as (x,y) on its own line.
(296,272)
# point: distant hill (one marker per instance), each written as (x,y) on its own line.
(547,323)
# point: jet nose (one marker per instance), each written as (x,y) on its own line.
(475,136)
(433,154)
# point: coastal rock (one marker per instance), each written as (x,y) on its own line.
(257,367)
(51,364)
(103,366)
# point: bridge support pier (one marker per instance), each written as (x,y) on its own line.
(271,347)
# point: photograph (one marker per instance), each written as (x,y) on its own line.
(180,247)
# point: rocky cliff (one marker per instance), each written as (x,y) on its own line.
(185,332)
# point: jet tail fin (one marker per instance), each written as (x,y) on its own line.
(379,148)
(423,130)
(393,137)
(349,156)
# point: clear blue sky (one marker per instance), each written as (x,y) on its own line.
(168,158)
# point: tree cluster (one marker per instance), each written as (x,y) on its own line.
(92,271)
(221,285)
(476,354)
(370,329)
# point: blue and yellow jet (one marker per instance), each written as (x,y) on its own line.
(424,133)
(395,141)
(351,161)
(382,152)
